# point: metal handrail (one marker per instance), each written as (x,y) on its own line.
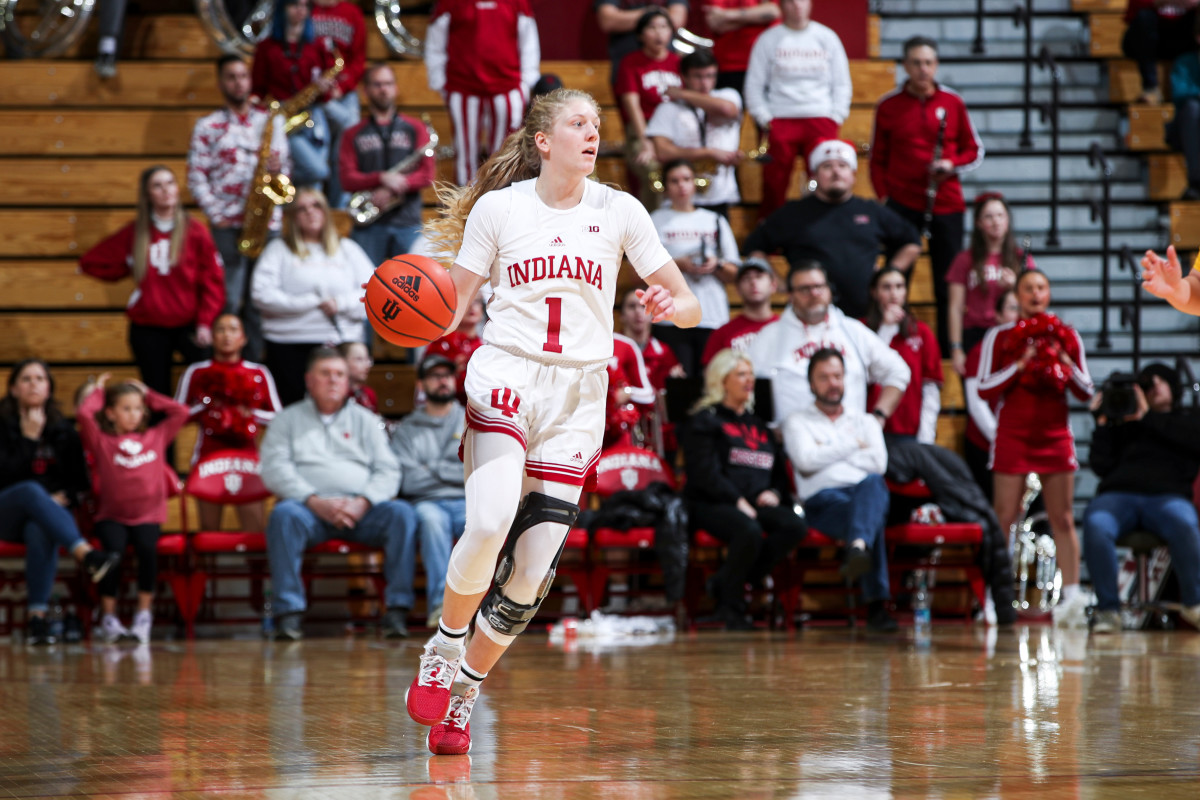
(1049,112)
(1184,367)
(1023,15)
(977,46)
(1131,313)
(1102,211)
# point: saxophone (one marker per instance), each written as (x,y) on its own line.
(363,209)
(266,190)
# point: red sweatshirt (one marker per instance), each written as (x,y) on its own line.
(906,129)
(191,292)
(128,476)
(281,70)
(343,23)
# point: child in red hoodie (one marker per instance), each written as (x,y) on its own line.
(128,458)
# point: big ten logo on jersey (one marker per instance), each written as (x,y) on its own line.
(160,256)
(590,229)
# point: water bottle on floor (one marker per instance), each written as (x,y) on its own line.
(268,617)
(922,616)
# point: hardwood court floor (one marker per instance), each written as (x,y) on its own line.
(1030,712)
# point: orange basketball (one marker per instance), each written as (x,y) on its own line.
(411,300)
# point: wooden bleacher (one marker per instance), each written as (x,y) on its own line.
(75,145)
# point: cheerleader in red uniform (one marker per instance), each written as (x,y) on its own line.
(230,400)
(1027,366)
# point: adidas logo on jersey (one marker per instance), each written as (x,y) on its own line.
(557,242)
(577,458)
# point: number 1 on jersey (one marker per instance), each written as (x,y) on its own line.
(553,326)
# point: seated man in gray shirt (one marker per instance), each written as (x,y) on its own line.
(327,460)
(426,443)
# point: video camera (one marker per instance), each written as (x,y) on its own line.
(1119,400)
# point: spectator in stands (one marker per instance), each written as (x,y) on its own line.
(328,462)
(798,91)
(426,444)
(756,285)
(1183,133)
(1028,366)
(637,375)
(222,161)
(179,285)
(783,348)
(643,78)
(620,18)
(459,344)
(890,317)
(736,26)
(1147,463)
(341,22)
(910,124)
(1159,30)
(659,358)
(286,63)
(484,59)
(981,415)
(702,244)
(231,400)
(703,125)
(128,457)
(832,226)
(737,487)
(980,274)
(359,362)
(838,457)
(42,477)
(307,285)
(370,151)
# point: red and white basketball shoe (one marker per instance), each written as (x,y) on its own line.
(453,736)
(428,698)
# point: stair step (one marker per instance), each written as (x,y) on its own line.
(886,8)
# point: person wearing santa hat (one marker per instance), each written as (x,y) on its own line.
(832,226)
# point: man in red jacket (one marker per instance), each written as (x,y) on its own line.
(342,22)
(908,126)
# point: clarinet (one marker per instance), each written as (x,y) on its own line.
(932,187)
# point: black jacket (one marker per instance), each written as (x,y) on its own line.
(1158,454)
(727,456)
(55,460)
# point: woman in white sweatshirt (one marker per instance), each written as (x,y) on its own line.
(307,285)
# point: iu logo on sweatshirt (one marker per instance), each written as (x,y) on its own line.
(133,455)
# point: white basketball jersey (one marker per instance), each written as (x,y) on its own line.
(553,273)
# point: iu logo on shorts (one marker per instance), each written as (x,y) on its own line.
(391,310)
(506,401)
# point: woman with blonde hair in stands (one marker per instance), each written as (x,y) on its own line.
(307,284)
(1028,366)
(179,283)
(737,485)
(551,243)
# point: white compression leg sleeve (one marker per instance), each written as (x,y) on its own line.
(495,468)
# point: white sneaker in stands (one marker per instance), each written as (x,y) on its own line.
(142,622)
(1071,613)
(111,629)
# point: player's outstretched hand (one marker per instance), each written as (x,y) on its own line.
(658,302)
(1164,277)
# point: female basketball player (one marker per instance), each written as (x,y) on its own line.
(550,243)
(1162,277)
(1027,366)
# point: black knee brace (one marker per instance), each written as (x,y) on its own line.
(502,613)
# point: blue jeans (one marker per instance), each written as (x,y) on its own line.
(310,151)
(44,526)
(1169,516)
(856,512)
(439,524)
(341,114)
(292,529)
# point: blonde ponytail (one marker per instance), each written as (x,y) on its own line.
(517,160)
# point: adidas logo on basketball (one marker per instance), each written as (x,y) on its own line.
(557,242)
(409,284)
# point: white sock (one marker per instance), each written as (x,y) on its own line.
(450,641)
(466,678)
(1069,591)
(107,45)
